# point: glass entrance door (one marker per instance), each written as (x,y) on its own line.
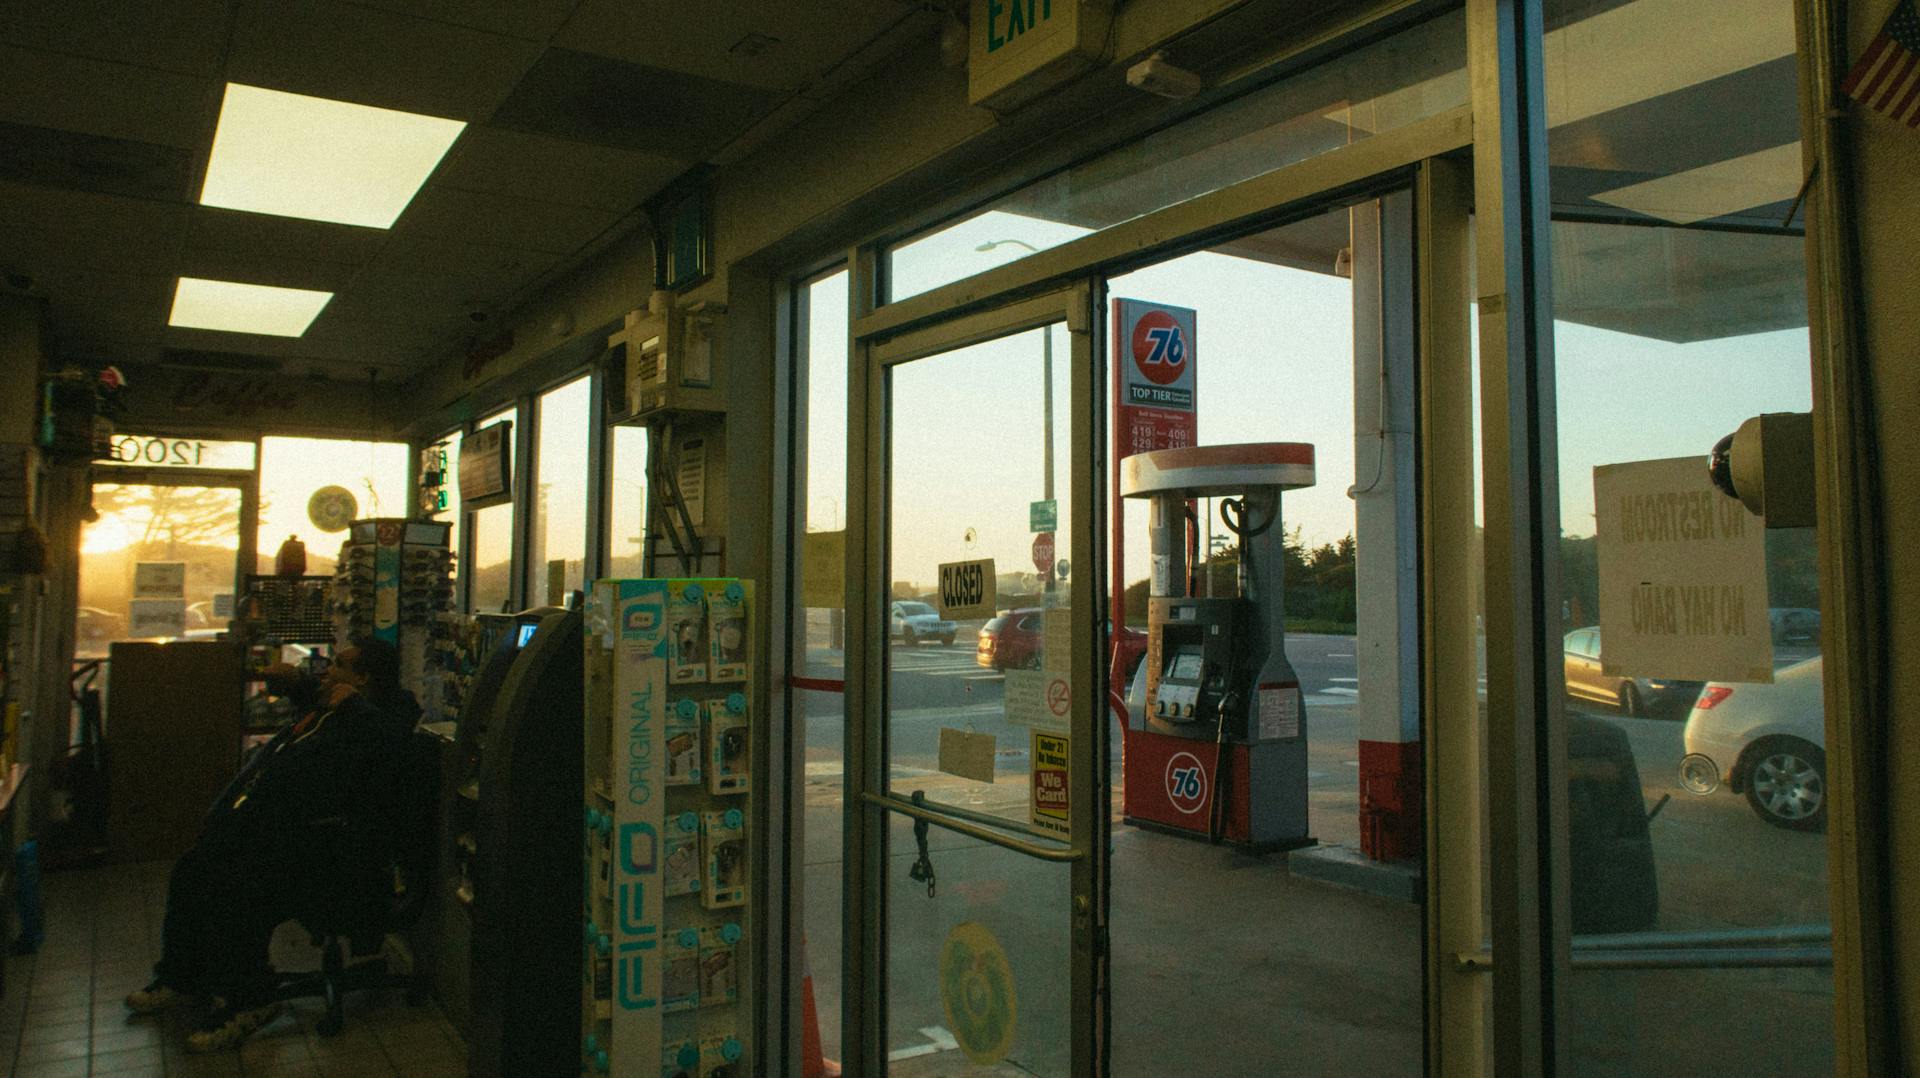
(975,796)
(160,561)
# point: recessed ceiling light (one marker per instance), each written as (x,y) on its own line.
(299,156)
(245,308)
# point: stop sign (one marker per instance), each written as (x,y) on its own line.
(1043,553)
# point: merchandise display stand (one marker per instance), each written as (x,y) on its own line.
(394,580)
(668,802)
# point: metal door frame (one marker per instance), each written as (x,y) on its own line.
(1432,158)
(869,805)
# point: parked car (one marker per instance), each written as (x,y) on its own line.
(1641,697)
(1013,641)
(1765,741)
(1795,625)
(96,628)
(911,622)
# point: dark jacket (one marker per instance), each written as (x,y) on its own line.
(329,764)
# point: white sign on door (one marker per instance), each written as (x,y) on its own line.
(1683,575)
(160,580)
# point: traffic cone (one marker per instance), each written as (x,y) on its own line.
(813,1060)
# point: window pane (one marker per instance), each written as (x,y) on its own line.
(1680,307)
(492,560)
(560,469)
(195,527)
(627,504)
(1298,334)
(819,718)
(448,447)
(298,475)
(1412,75)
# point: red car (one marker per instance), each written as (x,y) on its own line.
(1012,641)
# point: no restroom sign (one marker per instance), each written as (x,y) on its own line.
(967,590)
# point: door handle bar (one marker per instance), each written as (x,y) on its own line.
(959,826)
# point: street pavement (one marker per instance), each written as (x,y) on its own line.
(1719,866)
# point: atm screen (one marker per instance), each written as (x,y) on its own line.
(527,629)
(1186,667)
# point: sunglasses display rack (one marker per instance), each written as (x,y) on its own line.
(668,829)
(393,582)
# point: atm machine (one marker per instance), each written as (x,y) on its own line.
(524,1014)
(1220,750)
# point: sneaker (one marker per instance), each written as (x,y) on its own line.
(155,998)
(225,1027)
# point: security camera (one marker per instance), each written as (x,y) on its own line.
(1767,465)
(1157,76)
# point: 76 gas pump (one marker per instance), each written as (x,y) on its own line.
(1220,751)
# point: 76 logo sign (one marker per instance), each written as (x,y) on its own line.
(1186,783)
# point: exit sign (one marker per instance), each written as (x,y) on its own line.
(1022,48)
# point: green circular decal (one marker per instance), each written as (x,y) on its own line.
(976,987)
(332,508)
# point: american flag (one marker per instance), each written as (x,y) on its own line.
(1887,77)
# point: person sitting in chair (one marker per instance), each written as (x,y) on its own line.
(253,859)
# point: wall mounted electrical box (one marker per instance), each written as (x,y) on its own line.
(669,357)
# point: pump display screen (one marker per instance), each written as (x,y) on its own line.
(526,634)
(1186,667)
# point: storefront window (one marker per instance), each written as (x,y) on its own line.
(311,488)
(1414,74)
(560,469)
(1695,740)
(448,447)
(819,706)
(627,503)
(157,562)
(492,562)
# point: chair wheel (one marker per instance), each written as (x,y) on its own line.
(329,1026)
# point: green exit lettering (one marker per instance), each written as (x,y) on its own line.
(1019,15)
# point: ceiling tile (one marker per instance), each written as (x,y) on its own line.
(650,110)
(41,228)
(534,166)
(769,43)
(264,266)
(453,213)
(95,97)
(49,157)
(237,231)
(184,36)
(451,278)
(351,53)
(535,20)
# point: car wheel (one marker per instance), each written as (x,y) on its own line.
(907,639)
(1632,704)
(1786,783)
(946,641)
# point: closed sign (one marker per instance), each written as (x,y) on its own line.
(967,590)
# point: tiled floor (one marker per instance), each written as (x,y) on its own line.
(62,1013)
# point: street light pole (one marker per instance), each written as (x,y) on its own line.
(1046,395)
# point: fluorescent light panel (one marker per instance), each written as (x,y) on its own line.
(308,157)
(245,308)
